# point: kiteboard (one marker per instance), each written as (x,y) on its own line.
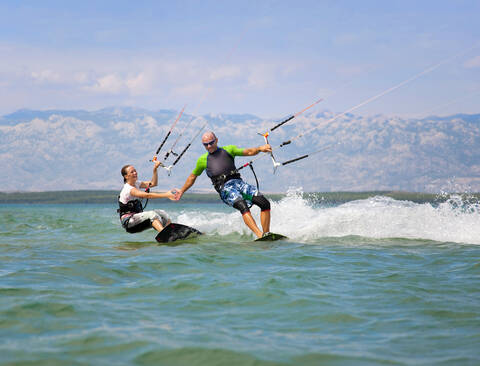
(271,237)
(175,231)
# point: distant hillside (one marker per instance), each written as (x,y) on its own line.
(71,150)
(110,197)
(85,196)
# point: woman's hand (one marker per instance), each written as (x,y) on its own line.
(171,195)
(157,163)
(178,193)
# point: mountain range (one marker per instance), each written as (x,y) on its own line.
(78,149)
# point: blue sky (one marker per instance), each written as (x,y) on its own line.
(268,58)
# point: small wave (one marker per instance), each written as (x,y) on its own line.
(457,220)
(212,222)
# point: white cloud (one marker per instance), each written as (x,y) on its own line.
(62,76)
(473,63)
(110,83)
(139,84)
(194,90)
(47,76)
(82,77)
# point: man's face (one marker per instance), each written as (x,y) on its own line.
(210,143)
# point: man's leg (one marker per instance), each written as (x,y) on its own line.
(265,220)
(232,194)
(242,206)
(264,205)
(250,222)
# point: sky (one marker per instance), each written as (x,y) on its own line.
(267,58)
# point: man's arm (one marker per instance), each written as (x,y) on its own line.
(199,168)
(255,150)
(188,183)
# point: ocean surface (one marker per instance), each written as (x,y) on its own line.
(368,282)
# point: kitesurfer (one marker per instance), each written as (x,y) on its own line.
(220,167)
(132,215)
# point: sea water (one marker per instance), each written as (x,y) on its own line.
(368,282)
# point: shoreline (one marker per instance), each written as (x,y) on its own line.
(110,196)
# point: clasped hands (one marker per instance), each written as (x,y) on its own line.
(175,194)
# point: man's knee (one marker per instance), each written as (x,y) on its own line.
(261,202)
(241,206)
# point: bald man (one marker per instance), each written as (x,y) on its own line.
(219,162)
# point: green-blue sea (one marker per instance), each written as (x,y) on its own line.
(368,282)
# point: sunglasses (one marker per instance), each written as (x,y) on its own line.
(206,144)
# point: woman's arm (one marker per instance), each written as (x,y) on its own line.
(154,181)
(141,194)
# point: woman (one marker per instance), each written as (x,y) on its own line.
(132,216)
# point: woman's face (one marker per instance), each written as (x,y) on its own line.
(131,174)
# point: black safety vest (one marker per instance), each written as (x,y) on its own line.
(221,168)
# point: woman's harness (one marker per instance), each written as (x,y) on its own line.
(127,210)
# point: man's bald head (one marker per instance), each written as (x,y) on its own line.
(208,136)
(209,141)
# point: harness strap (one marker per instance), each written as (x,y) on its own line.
(256,181)
(220,180)
(148,191)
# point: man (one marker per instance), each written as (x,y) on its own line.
(219,162)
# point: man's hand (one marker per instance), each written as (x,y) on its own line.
(255,150)
(265,148)
(178,193)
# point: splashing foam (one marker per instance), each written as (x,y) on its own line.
(219,223)
(378,217)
